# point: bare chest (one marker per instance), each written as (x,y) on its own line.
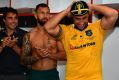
(43,41)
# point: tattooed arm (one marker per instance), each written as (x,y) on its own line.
(26,57)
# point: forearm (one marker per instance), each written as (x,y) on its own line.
(26,57)
(59,56)
(106,11)
(17,49)
(1,48)
(28,60)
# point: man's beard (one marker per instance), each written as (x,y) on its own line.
(42,21)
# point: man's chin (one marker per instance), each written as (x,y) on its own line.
(41,23)
(12,28)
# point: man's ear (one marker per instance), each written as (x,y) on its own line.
(4,20)
(35,13)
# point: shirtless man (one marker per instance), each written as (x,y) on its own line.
(41,50)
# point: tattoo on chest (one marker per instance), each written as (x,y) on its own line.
(48,42)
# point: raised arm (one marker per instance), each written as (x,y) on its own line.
(109,15)
(52,25)
(26,57)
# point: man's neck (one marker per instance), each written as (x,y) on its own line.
(9,31)
(80,28)
(40,28)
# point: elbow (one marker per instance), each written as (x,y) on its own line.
(112,20)
(49,30)
(24,61)
(63,57)
(116,14)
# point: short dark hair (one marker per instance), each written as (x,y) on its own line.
(9,10)
(41,5)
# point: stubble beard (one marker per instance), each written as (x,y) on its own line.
(42,22)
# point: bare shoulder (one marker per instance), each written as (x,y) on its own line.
(33,30)
(26,36)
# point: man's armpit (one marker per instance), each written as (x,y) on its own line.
(58,36)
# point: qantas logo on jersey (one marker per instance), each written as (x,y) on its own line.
(82,46)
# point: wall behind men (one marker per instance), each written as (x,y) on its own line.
(110,56)
(111,52)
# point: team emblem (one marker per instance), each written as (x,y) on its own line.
(89,32)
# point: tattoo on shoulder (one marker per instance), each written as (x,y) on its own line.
(26,44)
